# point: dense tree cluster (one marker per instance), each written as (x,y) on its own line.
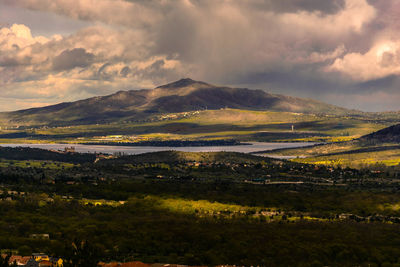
(336,216)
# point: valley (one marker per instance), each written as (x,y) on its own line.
(232,124)
(160,184)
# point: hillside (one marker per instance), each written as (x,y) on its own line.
(378,148)
(387,135)
(27,153)
(180,96)
(178,156)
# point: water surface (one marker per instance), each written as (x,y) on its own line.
(133,150)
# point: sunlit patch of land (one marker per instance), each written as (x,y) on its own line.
(244,125)
(36,164)
(325,139)
(356,160)
(345,154)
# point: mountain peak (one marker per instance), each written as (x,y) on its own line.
(182,83)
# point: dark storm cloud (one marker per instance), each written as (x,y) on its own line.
(69,59)
(300,80)
(9,62)
(125,71)
(390,83)
(103,68)
(324,6)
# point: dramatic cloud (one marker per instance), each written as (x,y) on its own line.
(382,60)
(299,47)
(18,36)
(69,59)
(107,11)
(48,70)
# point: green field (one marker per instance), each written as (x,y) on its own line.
(354,159)
(354,154)
(35,164)
(244,125)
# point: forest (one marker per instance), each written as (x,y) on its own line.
(200,209)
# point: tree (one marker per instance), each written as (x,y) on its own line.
(81,253)
(5,261)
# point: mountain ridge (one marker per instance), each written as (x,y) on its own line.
(179,96)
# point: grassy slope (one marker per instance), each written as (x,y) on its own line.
(222,124)
(380,148)
(389,157)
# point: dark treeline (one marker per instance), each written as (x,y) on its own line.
(26,153)
(172,143)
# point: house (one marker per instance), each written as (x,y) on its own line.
(31,263)
(39,236)
(69,149)
(172,265)
(126,264)
(40,259)
(46,263)
(139,264)
(346,216)
(40,256)
(53,262)
(19,260)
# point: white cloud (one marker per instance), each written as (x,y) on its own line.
(351,19)
(383,59)
(89,62)
(17,37)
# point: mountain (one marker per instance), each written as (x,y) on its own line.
(180,96)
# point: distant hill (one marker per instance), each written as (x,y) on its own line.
(382,140)
(180,96)
(387,135)
(179,156)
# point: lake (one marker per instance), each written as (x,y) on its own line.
(132,150)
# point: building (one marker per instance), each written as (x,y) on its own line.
(19,260)
(69,149)
(125,264)
(38,260)
(40,236)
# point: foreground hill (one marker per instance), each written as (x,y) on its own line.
(178,156)
(27,153)
(388,135)
(376,149)
(180,96)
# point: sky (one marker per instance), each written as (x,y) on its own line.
(343,52)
